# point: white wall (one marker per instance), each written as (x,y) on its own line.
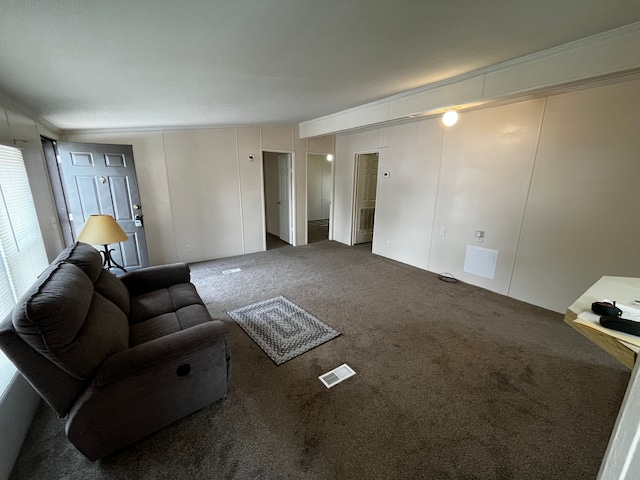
(199,187)
(487,160)
(206,203)
(17,407)
(537,176)
(19,401)
(406,200)
(18,130)
(587,175)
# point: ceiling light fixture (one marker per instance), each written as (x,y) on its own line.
(450,118)
(329,157)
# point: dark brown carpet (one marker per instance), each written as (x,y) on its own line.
(273,241)
(453,382)
(318,230)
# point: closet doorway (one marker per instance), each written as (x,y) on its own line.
(319,187)
(278,208)
(364,202)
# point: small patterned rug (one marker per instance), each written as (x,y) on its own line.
(281,328)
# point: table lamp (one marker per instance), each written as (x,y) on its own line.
(103,230)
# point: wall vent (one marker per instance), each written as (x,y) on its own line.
(481,261)
(233,270)
(337,375)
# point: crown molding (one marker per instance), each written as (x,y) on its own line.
(12,104)
(474,93)
(98,131)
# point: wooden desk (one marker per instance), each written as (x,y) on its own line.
(619,345)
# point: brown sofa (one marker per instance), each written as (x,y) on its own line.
(120,358)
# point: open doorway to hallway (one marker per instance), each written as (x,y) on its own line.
(278,209)
(318,196)
(364,202)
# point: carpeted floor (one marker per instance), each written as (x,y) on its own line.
(453,382)
(318,230)
(273,241)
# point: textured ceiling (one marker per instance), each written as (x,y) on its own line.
(84,64)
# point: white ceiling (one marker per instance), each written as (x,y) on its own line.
(86,64)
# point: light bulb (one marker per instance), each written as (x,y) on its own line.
(450,118)
(329,157)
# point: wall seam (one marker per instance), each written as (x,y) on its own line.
(173,213)
(244,250)
(526,203)
(435,203)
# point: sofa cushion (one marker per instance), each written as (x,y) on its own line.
(83,256)
(63,319)
(168,323)
(165,300)
(111,288)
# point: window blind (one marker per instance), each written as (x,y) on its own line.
(22,253)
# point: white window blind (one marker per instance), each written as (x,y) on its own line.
(22,253)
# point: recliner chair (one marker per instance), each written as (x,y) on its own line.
(120,358)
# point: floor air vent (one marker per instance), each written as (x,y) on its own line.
(337,375)
(233,270)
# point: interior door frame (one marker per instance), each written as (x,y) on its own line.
(50,150)
(331,195)
(292,196)
(61,199)
(354,197)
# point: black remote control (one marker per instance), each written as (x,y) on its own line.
(620,324)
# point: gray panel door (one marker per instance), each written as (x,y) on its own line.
(100,178)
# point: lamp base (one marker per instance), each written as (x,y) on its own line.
(107,260)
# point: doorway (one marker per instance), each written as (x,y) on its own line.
(319,187)
(278,207)
(364,204)
(91,178)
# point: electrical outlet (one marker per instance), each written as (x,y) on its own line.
(388,243)
(443,231)
(188,247)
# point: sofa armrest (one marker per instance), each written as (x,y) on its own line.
(159,351)
(149,279)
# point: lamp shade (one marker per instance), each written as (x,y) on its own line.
(103,230)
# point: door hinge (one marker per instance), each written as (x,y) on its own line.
(58,158)
(71,217)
